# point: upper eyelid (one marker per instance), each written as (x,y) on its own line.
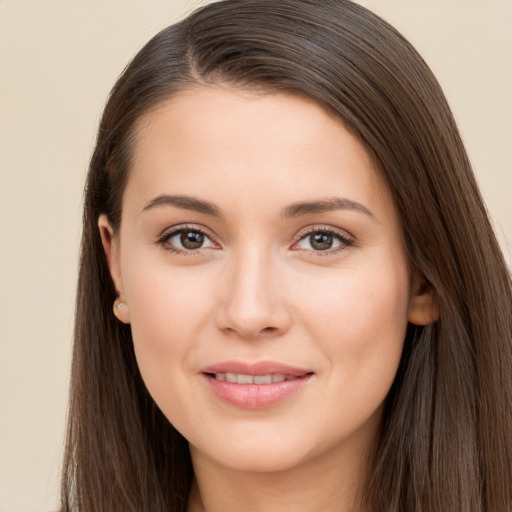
(325,228)
(184,227)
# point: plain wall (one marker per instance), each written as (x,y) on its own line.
(58,60)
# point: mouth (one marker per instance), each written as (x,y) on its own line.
(241,378)
(255,386)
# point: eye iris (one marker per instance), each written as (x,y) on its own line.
(191,239)
(321,241)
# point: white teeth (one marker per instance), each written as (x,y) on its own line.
(240,378)
(245,379)
(262,379)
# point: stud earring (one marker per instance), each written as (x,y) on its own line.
(118,304)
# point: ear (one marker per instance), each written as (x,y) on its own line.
(423,307)
(111,248)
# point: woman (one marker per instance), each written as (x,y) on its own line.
(311,311)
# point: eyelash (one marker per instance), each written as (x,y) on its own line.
(345,241)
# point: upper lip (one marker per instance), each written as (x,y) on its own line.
(258,368)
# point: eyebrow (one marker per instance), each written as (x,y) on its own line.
(294,210)
(185,203)
(324,205)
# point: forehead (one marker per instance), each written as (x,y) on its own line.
(203,140)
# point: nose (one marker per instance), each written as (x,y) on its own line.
(252,302)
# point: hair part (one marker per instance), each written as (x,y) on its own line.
(447,427)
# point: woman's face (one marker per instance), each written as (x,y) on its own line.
(264,272)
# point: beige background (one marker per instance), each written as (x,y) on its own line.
(58,60)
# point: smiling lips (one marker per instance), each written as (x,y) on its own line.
(241,378)
(255,386)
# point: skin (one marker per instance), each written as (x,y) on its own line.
(261,289)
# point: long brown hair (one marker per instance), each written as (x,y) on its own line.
(446,441)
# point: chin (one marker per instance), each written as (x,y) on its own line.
(254,457)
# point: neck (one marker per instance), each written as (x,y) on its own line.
(332,482)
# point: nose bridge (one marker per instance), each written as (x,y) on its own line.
(253,303)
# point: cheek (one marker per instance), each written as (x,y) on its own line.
(359,322)
(168,307)
(165,297)
(359,318)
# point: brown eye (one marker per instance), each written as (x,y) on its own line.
(321,241)
(182,240)
(191,239)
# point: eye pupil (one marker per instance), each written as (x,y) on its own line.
(321,241)
(191,239)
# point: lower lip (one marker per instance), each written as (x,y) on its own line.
(256,396)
